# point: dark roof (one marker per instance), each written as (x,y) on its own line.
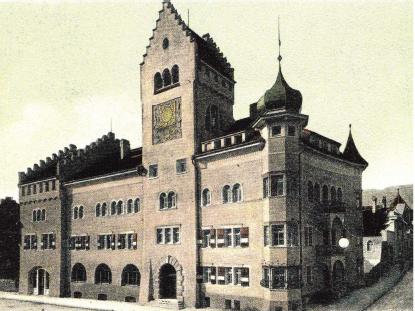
(49,171)
(308,133)
(351,153)
(110,165)
(280,96)
(239,125)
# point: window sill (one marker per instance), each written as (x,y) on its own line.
(166,88)
(167,209)
(181,173)
(153,177)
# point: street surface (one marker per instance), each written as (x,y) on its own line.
(398,298)
(6,304)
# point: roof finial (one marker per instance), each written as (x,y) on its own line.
(350,127)
(279,44)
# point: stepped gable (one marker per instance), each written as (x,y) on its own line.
(71,161)
(207,50)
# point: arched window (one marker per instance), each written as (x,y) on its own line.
(43,214)
(113,207)
(120,207)
(212,118)
(310,190)
(103,274)
(38,215)
(325,194)
(81,212)
(75,212)
(339,195)
(237,193)
(34,215)
(205,197)
(130,276)
(171,200)
(333,194)
(129,206)
(317,192)
(104,211)
(78,273)
(369,246)
(136,205)
(175,74)
(98,210)
(226,194)
(163,200)
(166,77)
(158,81)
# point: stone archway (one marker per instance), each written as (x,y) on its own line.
(160,269)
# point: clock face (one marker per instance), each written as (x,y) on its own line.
(167,121)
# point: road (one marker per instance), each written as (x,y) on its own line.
(398,298)
(6,304)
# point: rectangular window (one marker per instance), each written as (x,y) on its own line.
(278,236)
(79,242)
(23,191)
(277,185)
(265,277)
(228,237)
(237,236)
(228,141)
(40,187)
(153,171)
(309,275)
(206,274)
(228,275)
(221,275)
(276,131)
(278,277)
(48,241)
(291,130)
(181,166)
(266,235)
(34,189)
(106,241)
(241,276)
(122,241)
(236,305)
(53,185)
(168,235)
(205,238)
(46,186)
(265,186)
(132,240)
(308,236)
(292,234)
(228,304)
(29,189)
(30,241)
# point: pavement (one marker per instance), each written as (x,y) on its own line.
(362,298)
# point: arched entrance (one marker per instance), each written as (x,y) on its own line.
(338,278)
(39,281)
(167,282)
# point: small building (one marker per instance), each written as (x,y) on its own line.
(372,252)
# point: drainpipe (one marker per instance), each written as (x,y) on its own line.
(301,225)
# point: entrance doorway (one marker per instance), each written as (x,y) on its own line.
(167,281)
(39,281)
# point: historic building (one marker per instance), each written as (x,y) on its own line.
(210,211)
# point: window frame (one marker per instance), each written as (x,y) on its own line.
(163,230)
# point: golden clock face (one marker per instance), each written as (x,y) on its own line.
(167,116)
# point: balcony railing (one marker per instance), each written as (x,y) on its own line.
(329,250)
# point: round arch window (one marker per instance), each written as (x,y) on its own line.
(165,43)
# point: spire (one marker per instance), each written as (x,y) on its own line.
(279,45)
(350,151)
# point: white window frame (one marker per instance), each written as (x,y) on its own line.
(163,235)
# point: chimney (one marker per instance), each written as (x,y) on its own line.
(124,148)
(384,201)
(374,204)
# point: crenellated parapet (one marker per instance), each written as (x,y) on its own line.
(67,162)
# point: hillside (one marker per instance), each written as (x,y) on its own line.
(406,192)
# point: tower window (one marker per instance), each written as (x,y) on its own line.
(165,43)
(166,77)
(158,82)
(181,166)
(153,171)
(212,118)
(175,74)
(291,130)
(276,131)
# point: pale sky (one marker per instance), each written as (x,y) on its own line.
(67,68)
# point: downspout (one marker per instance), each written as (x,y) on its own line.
(301,224)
